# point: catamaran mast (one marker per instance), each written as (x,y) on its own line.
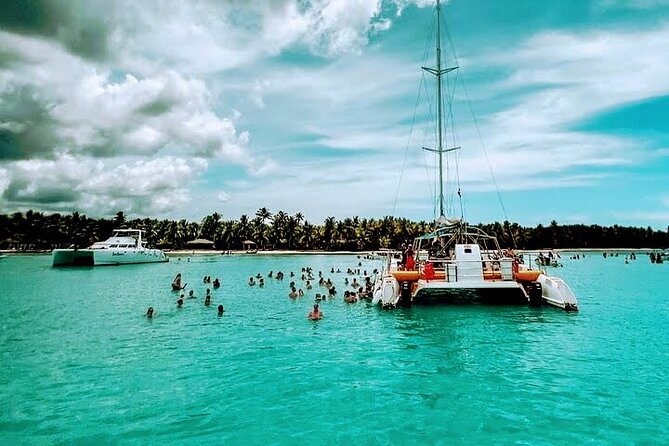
(440,147)
(439,72)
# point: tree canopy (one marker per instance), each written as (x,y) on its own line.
(280,230)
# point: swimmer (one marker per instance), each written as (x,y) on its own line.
(293,293)
(217,283)
(176,283)
(300,293)
(315,314)
(309,285)
(251,281)
(180,302)
(207,299)
(261,282)
(149,312)
(190,295)
(220,310)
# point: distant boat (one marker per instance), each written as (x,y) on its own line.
(125,246)
(456,262)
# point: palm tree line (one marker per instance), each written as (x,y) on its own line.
(38,231)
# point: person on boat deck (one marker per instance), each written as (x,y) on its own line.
(428,271)
(403,260)
(293,293)
(315,314)
(149,312)
(410,262)
(220,310)
(251,281)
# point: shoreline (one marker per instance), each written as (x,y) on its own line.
(286,252)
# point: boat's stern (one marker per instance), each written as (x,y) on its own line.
(557,293)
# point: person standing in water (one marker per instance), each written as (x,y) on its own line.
(315,314)
(176,283)
(220,310)
(149,312)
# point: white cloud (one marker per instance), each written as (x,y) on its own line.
(101,187)
(223,196)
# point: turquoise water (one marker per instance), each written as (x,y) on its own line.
(82,365)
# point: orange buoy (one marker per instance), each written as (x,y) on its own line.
(527,276)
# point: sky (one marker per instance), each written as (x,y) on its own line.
(173,109)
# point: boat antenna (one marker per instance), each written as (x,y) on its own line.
(438,72)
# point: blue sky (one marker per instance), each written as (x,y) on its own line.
(180,109)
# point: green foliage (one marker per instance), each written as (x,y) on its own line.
(38,231)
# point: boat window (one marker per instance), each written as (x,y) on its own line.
(468,250)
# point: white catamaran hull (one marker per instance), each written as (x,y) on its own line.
(101,257)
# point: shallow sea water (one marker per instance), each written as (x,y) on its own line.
(82,365)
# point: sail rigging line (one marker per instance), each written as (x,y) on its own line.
(406,149)
(478,132)
(413,121)
(487,158)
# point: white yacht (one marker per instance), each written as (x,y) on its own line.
(457,262)
(125,246)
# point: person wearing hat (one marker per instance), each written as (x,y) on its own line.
(315,314)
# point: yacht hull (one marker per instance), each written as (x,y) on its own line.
(102,257)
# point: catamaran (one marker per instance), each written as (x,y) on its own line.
(457,262)
(125,246)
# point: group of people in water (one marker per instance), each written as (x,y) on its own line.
(178,286)
(360,289)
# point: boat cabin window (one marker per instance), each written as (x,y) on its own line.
(468,250)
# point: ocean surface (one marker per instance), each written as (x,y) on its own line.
(81,364)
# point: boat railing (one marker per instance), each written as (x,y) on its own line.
(468,270)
